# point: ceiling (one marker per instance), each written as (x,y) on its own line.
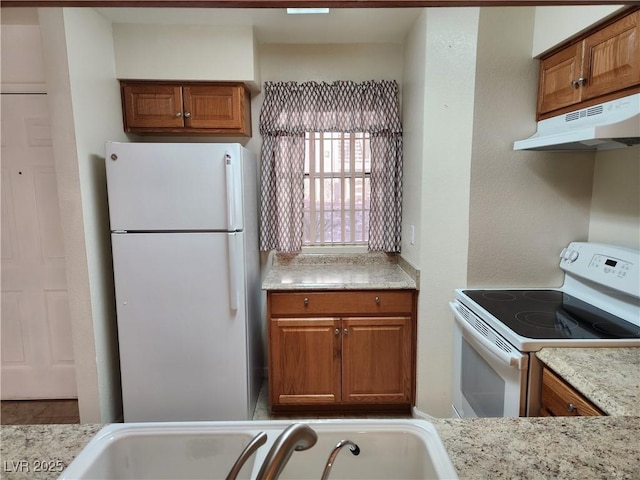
(271,25)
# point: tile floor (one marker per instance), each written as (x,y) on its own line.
(34,412)
(262,411)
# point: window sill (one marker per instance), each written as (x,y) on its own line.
(324,249)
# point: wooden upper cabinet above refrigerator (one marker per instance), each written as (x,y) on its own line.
(150,107)
(598,67)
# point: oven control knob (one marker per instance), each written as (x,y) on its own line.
(573,255)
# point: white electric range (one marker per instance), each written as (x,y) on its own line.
(498,331)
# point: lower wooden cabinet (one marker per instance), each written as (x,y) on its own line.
(305,365)
(362,356)
(560,399)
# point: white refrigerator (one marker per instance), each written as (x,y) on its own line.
(184,239)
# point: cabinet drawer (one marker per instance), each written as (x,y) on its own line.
(342,303)
(560,399)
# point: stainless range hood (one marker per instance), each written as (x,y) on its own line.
(614,124)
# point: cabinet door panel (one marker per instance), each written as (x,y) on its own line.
(376,360)
(556,76)
(612,57)
(152,106)
(305,361)
(559,399)
(218,107)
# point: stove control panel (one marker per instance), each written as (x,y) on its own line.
(610,266)
(614,267)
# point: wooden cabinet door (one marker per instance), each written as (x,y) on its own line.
(559,399)
(152,106)
(305,361)
(214,107)
(612,57)
(557,74)
(376,360)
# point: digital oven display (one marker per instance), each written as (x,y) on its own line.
(611,263)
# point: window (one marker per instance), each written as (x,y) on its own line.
(336,188)
(353,180)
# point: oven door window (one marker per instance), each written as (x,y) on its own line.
(482,387)
(488,381)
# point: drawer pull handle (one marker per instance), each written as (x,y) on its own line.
(306,301)
(571,408)
(378,300)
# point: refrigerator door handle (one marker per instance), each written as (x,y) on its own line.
(231,204)
(233,271)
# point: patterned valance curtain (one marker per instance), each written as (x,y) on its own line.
(289,110)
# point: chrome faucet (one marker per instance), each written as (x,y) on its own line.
(353,448)
(295,437)
(259,440)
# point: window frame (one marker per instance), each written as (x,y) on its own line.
(316,209)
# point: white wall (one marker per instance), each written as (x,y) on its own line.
(440,63)
(485,215)
(615,207)
(85,105)
(553,25)
(525,206)
(413,127)
(185,52)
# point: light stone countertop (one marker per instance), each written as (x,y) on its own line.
(609,377)
(543,448)
(370,271)
(484,448)
(38,452)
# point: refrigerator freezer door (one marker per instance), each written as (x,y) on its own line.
(174,186)
(183,349)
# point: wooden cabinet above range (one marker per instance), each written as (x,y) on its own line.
(221,109)
(602,65)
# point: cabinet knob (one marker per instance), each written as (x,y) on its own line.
(178,115)
(187,114)
(306,301)
(345,331)
(571,408)
(579,82)
(377,300)
(337,331)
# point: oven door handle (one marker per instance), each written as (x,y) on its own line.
(513,360)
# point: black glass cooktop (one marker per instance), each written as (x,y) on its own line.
(551,314)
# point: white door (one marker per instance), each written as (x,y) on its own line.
(37,352)
(181,326)
(174,186)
